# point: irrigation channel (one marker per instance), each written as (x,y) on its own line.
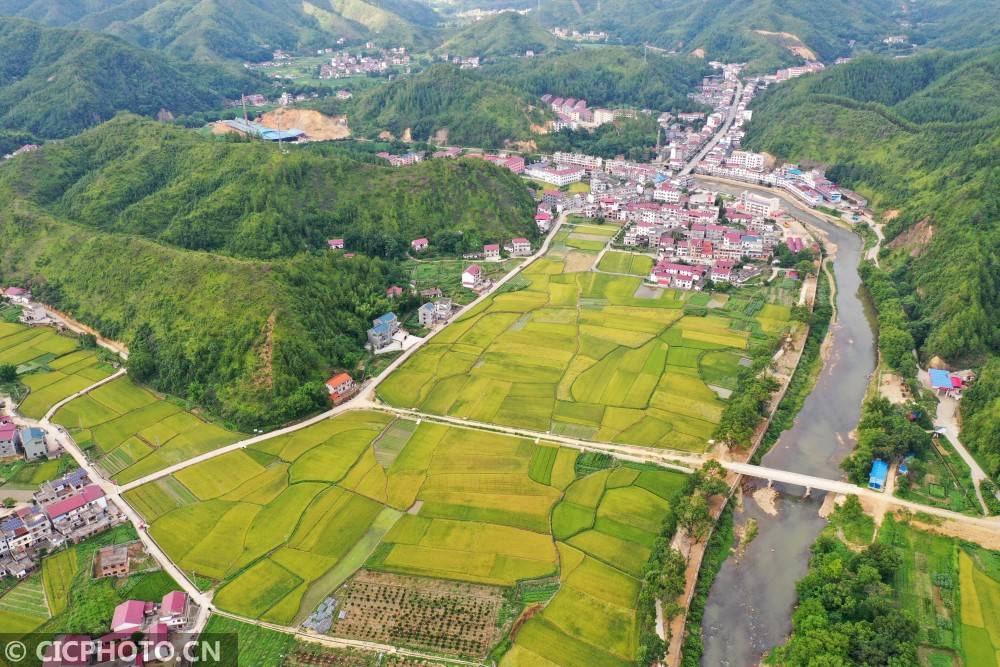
(749,606)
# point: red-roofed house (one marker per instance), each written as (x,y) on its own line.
(129,616)
(419,244)
(340,387)
(491,251)
(17,294)
(544,220)
(472,277)
(64,511)
(8,440)
(394,292)
(519,247)
(174,608)
(335,244)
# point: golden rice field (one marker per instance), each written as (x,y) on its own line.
(590,355)
(281,524)
(132,432)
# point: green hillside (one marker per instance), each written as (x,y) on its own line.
(475,109)
(54,83)
(115,225)
(607,76)
(234,29)
(507,34)
(919,136)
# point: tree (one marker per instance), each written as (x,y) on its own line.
(8,372)
(88,341)
(9,502)
(694,515)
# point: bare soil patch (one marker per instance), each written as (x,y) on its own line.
(317,126)
(447,617)
(915,239)
(767,499)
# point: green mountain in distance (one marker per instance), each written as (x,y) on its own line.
(508,34)
(54,83)
(234,29)
(209,256)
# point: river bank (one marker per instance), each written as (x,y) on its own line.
(749,605)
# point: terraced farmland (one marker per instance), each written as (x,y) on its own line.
(51,366)
(23,608)
(134,433)
(591,355)
(285,522)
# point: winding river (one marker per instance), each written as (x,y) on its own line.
(750,604)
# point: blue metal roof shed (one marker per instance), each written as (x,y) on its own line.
(879,474)
(940,379)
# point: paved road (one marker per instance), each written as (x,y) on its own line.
(55,408)
(726,124)
(946,420)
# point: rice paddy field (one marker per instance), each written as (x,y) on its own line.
(24,608)
(282,524)
(52,366)
(591,355)
(631,263)
(952,589)
(131,432)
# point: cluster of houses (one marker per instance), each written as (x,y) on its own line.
(140,633)
(375,61)
(64,511)
(463,62)
(26,442)
(577,36)
(27,148)
(574,113)
(403,160)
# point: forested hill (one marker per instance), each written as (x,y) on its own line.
(732,30)
(251,200)
(54,83)
(234,29)
(506,34)
(608,76)
(111,226)
(465,106)
(919,136)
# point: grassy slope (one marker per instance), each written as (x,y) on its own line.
(54,83)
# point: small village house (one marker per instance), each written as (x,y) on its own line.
(491,251)
(335,244)
(425,315)
(111,561)
(130,616)
(472,277)
(18,295)
(8,439)
(394,292)
(419,245)
(519,247)
(174,609)
(33,443)
(382,331)
(340,386)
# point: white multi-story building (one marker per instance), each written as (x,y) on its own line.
(588,162)
(759,205)
(747,159)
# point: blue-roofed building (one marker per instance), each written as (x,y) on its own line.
(384,326)
(878,475)
(940,380)
(261,132)
(33,443)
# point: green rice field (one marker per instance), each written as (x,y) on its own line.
(23,608)
(593,356)
(626,262)
(952,589)
(52,366)
(280,525)
(67,375)
(132,432)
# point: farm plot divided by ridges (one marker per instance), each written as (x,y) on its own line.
(23,608)
(66,376)
(21,345)
(134,433)
(580,354)
(626,262)
(281,525)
